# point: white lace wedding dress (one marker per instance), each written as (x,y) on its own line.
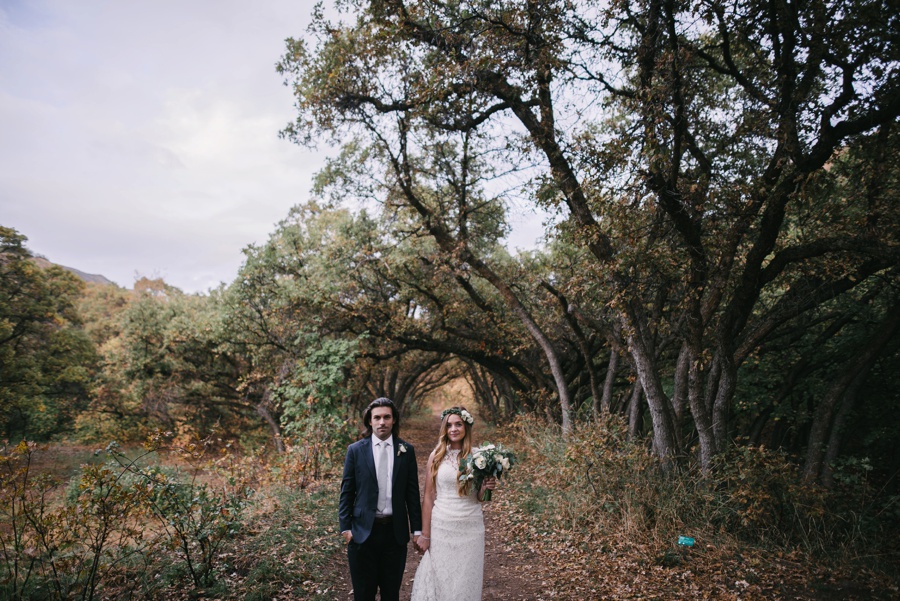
(453,567)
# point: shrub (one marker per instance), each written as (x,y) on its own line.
(61,551)
(757,494)
(293,540)
(194,517)
(316,448)
(601,483)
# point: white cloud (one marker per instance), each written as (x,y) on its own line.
(142,136)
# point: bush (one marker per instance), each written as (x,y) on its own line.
(83,483)
(112,515)
(294,538)
(60,552)
(757,494)
(194,517)
(316,448)
(599,482)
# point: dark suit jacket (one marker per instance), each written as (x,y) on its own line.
(359,491)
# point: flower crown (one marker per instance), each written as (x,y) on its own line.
(465,415)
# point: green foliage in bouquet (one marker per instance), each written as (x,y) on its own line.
(486,461)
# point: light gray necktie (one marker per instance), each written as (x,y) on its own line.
(382,473)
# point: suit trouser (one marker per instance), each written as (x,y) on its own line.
(377,563)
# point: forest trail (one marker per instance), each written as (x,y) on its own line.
(506,571)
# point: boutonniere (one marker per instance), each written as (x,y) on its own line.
(401,449)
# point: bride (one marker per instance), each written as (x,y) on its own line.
(452,568)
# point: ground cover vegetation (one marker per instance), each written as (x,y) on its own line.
(604,522)
(713,312)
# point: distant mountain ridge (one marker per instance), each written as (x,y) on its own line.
(92,278)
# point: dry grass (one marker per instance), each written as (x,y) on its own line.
(605,522)
(590,518)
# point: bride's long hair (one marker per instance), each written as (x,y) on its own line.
(443,444)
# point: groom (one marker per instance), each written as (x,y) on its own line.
(379,504)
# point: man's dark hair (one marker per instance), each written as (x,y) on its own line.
(382,402)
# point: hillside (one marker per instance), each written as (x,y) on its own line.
(87,277)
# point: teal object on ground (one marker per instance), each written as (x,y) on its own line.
(685,541)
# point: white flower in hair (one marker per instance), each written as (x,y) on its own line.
(463,414)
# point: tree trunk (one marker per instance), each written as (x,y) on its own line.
(634,412)
(722,405)
(275,428)
(611,369)
(837,430)
(483,387)
(582,344)
(562,388)
(822,420)
(680,394)
(596,394)
(699,408)
(660,411)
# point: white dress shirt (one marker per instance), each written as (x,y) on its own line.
(392,453)
(377,445)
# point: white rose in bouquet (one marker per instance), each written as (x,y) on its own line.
(487,461)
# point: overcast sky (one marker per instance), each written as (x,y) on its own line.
(140,137)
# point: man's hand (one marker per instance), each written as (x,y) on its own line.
(348,536)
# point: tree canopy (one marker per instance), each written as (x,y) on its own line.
(720,264)
(46,360)
(699,155)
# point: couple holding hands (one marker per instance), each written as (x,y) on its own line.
(379,507)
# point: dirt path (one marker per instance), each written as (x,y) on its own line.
(506,571)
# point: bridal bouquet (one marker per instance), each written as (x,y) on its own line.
(486,461)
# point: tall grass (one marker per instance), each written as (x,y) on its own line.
(601,485)
(286,547)
(265,528)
